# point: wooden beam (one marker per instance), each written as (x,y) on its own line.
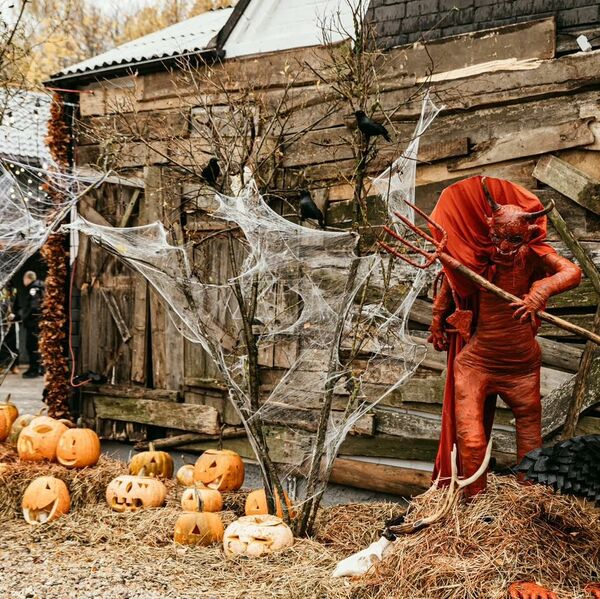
(185,417)
(569,181)
(126,391)
(187,438)
(380,477)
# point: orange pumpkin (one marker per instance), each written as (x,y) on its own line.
(78,448)
(130,493)
(17,426)
(39,440)
(220,469)
(10,409)
(185,475)
(45,499)
(5,425)
(153,463)
(256,504)
(201,500)
(198,528)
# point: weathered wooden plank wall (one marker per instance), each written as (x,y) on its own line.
(509,102)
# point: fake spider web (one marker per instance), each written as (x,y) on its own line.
(30,210)
(339,317)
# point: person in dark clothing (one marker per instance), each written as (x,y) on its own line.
(30,317)
(9,353)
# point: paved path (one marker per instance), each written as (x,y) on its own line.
(26,394)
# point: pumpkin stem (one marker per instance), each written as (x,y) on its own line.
(220,444)
(199,500)
(142,471)
(151,446)
(7,400)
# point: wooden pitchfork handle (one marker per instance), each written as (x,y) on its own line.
(457,266)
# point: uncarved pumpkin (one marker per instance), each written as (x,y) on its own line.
(18,425)
(256,504)
(10,409)
(5,425)
(38,440)
(201,500)
(131,493)
(220,469)
(256,535)
(45,499)
(153,463)
(185,475)
(78,448)
(198,528)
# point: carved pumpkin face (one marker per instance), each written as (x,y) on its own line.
(185,475)
(39,440)
(78,448)
(153,463)
(198,528)
(45,499)
(17,426)
(256,535)
(201,500)
(256,504)
(222,470)
(132,493)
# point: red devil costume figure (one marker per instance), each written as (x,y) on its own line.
(496,228)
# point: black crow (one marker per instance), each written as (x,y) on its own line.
(369,127)
(308,209)
(210,173)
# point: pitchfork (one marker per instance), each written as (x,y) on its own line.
(452,263)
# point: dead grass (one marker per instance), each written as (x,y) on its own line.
(510,533)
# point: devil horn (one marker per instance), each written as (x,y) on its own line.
(488,196)
(533,216)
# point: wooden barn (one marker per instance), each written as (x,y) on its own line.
(520,101)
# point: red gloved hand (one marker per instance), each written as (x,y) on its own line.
(529,590)
(438,336)
(532,302)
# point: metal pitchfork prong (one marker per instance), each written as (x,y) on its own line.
(431,257)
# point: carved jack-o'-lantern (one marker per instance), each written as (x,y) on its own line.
(45,499)
(9,409)
(201,500)
(198,528)
(256,504)
(185,475)
(17,426)
(257,535)
(38,441)
(220,469)
(78,448)
(131,493)
(154,463)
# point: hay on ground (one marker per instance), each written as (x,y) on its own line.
(87,485)
(512,532)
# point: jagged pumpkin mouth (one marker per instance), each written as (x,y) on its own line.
(41,514)
(215,483)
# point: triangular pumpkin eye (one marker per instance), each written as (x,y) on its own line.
(152,460)
(196,530)
(48,487)
(213,465)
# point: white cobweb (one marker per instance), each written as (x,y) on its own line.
(338,319)
(33,202)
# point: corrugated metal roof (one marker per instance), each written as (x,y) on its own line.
(191,35)
(271,25)
(24,125)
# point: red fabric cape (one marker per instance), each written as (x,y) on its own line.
(462,211)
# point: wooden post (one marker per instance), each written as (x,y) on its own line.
(582,377)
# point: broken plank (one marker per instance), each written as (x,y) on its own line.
(569,181)
(529,142)
(126,391)
(185,417)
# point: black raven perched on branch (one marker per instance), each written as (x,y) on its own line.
(369,127)
(571,467)
(308,209)
(210,173)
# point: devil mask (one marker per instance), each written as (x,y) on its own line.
(511,228)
